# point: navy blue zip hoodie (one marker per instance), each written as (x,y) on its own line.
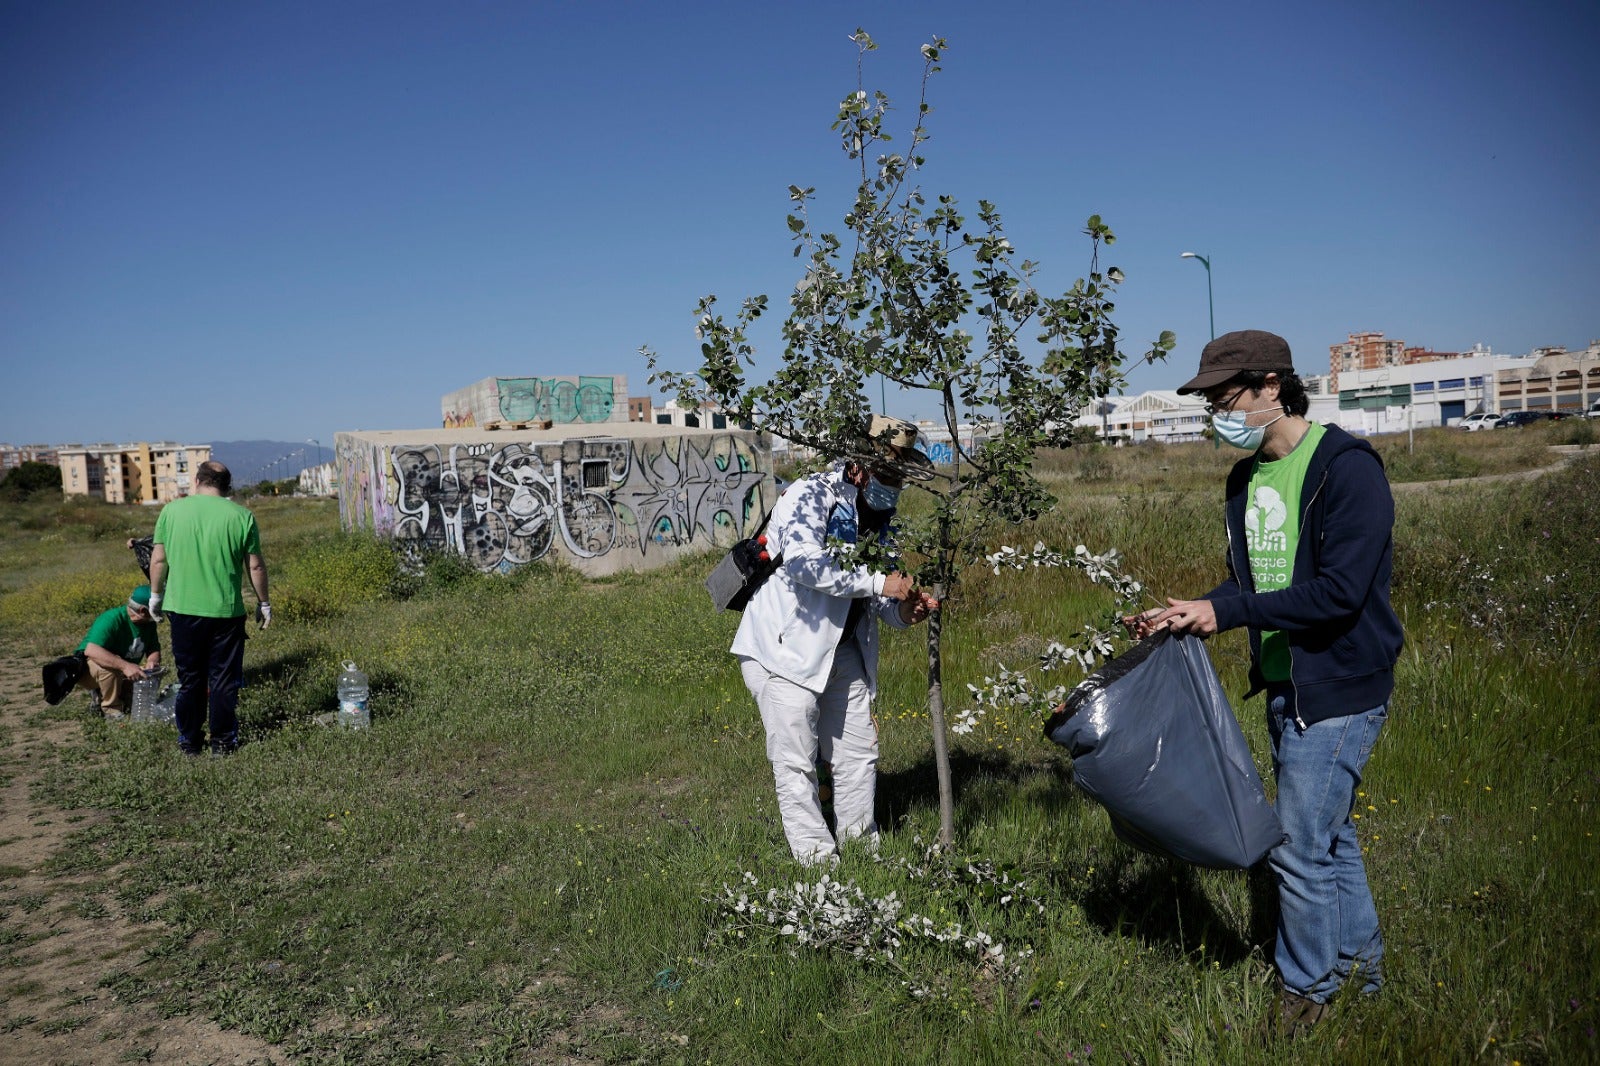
(1344,637)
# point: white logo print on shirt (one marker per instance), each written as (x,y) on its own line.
(1263,522)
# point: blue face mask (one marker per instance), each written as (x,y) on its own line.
(878,496)
(1230,427)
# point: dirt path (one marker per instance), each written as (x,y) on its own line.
(62,934)
(1566,455)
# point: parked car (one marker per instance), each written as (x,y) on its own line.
(1593,411)
(1482,420)
(1518,419)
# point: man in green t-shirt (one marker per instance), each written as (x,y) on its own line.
(203,545)
(1310,523)
(120,646)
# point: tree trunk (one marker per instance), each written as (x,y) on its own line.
(941,746)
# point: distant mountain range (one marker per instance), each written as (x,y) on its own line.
(267,460)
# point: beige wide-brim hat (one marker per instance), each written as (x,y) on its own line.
(895,440)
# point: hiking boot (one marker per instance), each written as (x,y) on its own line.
(1297,1014)
(111,714)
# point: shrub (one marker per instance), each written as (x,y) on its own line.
(329,575)
(31,479)
(80,595)
(1575,431)
(420,571)
(1437,463)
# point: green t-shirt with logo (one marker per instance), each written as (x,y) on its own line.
(122,636)
(207,539)
(1272,532)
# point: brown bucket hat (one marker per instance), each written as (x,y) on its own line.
(894,440)
(1245,349)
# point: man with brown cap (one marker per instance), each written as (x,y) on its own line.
(807,648)
(1310,550)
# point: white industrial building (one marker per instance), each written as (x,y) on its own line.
(1388,399)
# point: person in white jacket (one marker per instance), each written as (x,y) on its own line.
(808,643)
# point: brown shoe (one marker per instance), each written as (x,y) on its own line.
(1297,1014)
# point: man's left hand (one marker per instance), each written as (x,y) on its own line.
(263,615)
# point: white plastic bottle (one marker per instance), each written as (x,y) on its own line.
(353,712)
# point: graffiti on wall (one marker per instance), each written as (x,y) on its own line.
(559,400)
(506,505)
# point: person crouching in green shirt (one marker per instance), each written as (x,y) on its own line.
(121,645)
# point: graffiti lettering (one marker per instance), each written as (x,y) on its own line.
(589,399)
(503,506)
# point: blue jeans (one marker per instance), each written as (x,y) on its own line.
(1327,923)
(209,653)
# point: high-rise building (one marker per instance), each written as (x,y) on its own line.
(1364,351)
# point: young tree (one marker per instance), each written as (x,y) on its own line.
(930,302)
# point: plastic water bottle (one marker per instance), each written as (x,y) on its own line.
(353,712)
(166,708)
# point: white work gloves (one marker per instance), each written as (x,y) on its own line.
(155,608)
(263,615)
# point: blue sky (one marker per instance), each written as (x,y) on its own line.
(231,221)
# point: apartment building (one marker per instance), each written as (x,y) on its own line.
(1364,351)
(142,472)
(14,455)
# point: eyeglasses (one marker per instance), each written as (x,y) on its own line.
(1221,407)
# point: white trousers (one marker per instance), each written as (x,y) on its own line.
(835,725)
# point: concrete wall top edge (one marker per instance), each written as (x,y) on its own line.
(553,435)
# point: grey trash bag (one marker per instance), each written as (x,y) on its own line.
(1155,743)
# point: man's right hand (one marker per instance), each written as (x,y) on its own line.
(132,671)
(1139,625)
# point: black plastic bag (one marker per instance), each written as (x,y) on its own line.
(61,676)
(1155,743)
(143,548)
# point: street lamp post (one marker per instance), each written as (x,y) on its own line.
(1210,308)
(1211,314)
(318,443)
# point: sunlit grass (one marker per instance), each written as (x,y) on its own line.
(521,858)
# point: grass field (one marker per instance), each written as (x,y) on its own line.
(535,853)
